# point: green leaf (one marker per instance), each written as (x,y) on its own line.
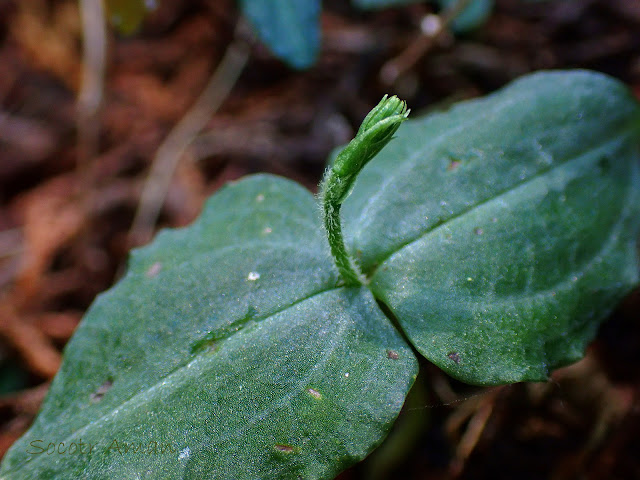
(290,28)
(501,232)
(228,344)
(472,17)
(498,234)
(378,4)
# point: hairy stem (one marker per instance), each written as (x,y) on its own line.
(347,267)
(376,131)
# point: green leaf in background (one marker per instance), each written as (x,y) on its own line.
(377,4)
(127,15)
(472,17)
(290,28)
(499,234)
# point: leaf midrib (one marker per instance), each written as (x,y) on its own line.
(608,243)
(543,172)
(364,219)
(131,400)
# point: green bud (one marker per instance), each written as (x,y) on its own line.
(388,107)
(376,131)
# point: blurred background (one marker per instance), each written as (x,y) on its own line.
(119,119)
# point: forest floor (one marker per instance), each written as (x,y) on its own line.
(71,180)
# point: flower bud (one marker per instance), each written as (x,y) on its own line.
(376,131)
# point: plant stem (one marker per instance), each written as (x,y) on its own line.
(376,131)
(347,267)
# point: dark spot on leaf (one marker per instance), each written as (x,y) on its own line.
(453,165)
(604,164)
(284,448)
(454,356)
(208,343)
(251,312)
(211,341)
(478,231)
(154,270)
(101,391)
(392,355)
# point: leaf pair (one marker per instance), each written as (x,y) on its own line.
(498,234)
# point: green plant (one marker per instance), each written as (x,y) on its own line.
(291,28)
(495,236)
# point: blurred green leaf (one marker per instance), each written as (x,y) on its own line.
(472,17)
(376,4)
(290,28)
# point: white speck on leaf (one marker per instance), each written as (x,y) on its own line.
(253,276)
(184,453)
(260,198)
(267,230)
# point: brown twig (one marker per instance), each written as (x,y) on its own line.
(169,153)
(90,96)
(432,28)
(35,348)
(25,401)
(478,411)
(10,242)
